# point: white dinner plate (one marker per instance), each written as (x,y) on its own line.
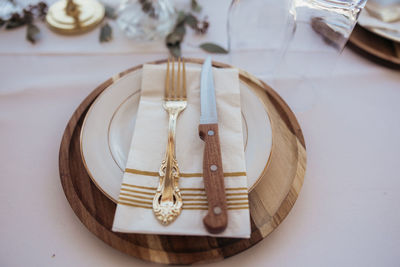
(366,20)
(109,124)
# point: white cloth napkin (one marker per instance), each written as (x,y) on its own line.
(134,212)
(368,21)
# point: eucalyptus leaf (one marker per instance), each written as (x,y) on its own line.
(180,30)
(175,51)
(195,6)
(148,8)
(16,21)
(191,21)
(181,18)
(213,48)
(32,33)
(176,37)
(106,34)
(28,16)
(111,12)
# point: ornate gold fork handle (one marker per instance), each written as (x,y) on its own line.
(167,203)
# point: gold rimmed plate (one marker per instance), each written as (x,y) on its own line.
(108,126)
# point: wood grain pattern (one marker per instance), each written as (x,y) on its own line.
(375,47)
(216,219)
(270,199)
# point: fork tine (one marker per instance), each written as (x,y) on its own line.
(172,89)
(184,79)
(178,82)
(166,87)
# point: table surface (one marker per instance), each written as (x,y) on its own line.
(347,213)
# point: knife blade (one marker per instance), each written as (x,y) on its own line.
(216,219)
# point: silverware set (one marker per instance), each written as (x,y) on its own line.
(167,202)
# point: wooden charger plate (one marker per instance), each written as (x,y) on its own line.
(375,47)
(270,200)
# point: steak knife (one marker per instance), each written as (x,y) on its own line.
(216,219)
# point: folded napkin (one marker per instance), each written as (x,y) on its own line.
(373,23)
(134,212)
(383,10)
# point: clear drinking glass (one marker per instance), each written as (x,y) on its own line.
(258,32)
(290,43)
(261,34)
(321,30)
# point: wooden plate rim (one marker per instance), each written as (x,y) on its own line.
(357,41)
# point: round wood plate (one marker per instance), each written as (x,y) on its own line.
(270,199)
(375,47)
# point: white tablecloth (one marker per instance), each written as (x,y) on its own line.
(346,215)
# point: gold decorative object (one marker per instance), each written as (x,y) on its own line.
(74,16)
(167,202)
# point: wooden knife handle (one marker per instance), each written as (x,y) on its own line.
(216,219)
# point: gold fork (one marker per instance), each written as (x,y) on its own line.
(167,202)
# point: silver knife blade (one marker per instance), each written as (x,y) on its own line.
(208,110)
